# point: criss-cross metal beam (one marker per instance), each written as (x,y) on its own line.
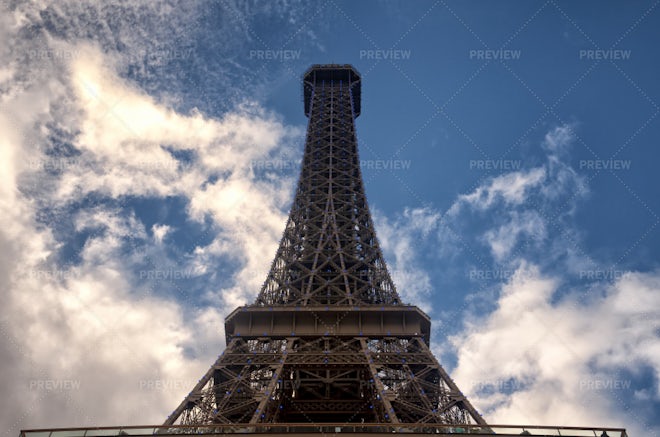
(328,339)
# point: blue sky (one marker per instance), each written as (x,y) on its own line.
(509,151)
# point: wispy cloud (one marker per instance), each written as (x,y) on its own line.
(504,238)
(526,212)
(563,342)
(84,315)
(547,335)
(399,238)
(509,189)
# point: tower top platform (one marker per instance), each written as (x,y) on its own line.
(335,73)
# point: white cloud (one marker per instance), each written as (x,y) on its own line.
(559,139)
(563,361)
(126,139)
(84,332)
(553,179)
(86,323)
(509,188)
(555,350)
(160,232)
(125,130)
(398,241)
(518,214)
(503,239)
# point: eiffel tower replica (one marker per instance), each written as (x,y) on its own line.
(328,338)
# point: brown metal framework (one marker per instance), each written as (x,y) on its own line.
(327,339)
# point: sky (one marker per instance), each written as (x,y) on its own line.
(149,155)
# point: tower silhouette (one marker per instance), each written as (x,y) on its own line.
(328,339)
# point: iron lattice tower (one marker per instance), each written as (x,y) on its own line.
(327,340)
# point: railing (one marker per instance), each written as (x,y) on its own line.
(328,428)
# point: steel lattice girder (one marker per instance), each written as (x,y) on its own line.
(395,379)
(329,253)
(328,338)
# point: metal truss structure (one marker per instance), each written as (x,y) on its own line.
(328,339)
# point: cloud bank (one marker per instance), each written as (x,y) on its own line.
(550,334)
(89,334)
